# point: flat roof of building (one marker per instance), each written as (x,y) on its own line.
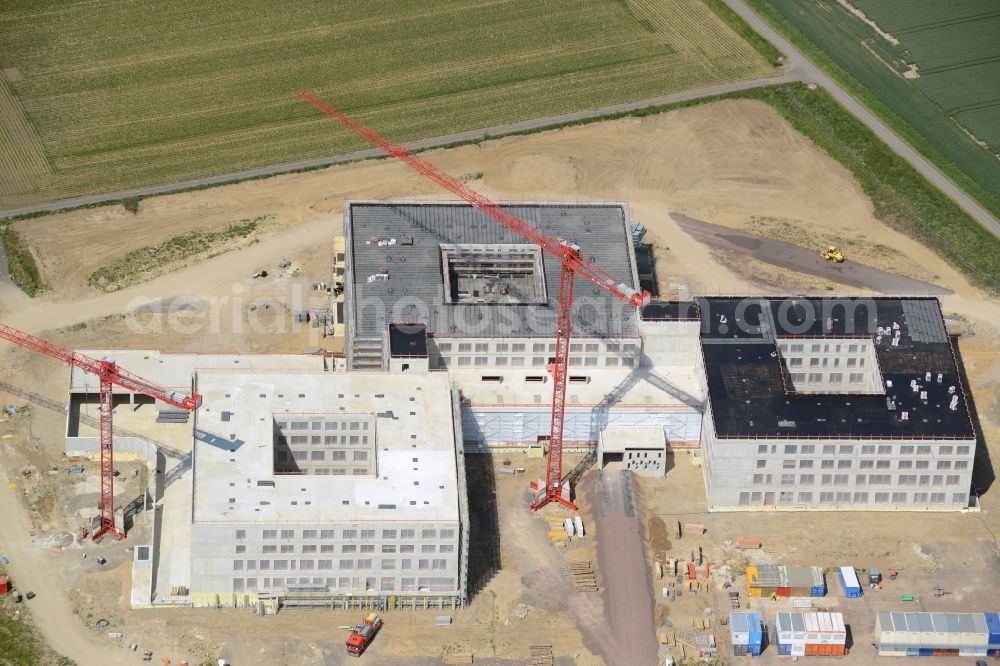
(616,439)
(415,291)
(415,444)
(739,339)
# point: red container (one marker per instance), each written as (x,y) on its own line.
(4,588)
(784,591)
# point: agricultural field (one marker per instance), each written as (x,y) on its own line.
(931,70)
(107,95)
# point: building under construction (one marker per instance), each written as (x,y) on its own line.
(294,482)
(794,403)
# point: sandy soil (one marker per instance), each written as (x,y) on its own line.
(730,163)
(684,162)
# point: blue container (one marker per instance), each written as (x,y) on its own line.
(926,652)
(993,628)
(785,650)
(817,591)
(850,583)
(755,650)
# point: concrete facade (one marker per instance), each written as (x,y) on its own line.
(642,450)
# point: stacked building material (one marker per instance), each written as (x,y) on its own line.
(767,579)
(917,634)
(799,634)
(583,576)
(746,631)
(849,581)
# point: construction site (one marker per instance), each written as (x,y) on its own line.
(504,433)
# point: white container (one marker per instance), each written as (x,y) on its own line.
(578,523)
(568,526)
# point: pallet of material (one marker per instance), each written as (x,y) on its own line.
(458,658)
(583,576)
(541,655)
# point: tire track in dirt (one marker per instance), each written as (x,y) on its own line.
(804,260)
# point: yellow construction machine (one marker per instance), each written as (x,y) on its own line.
(832,254)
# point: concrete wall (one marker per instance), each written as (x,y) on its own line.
(497,426)
(498,353)
(357,558)
(757,474)
(824,365)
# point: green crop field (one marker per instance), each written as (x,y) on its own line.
(930,69)
(955,48)
(105,95)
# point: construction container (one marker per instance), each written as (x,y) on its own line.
(849,581)
(568,526)
(922,634)
(746,632)
(805,581)
(993,629)
(4,586)
(578,523)
(874,576)
(768,579)
(800,634)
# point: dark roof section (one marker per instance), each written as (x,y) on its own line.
(415,289)
(671,311)
(407,340)
(744,375)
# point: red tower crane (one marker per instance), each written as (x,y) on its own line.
(567,253)
(110,375)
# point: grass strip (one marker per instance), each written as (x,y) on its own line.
(21,644)
(21,264)
(152,261)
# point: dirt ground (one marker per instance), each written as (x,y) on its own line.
(686,162)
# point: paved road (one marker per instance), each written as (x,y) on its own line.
(803,260)
(810,72)
(786,75)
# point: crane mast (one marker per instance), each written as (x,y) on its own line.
(109,375)
(568,255)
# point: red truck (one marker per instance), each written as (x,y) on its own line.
(362,635)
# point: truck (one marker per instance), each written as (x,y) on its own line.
(363,635)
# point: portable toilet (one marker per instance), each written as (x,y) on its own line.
(849,581)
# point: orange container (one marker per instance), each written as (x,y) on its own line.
(819,650)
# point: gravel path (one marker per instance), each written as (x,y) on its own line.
(805,260)
(624,573)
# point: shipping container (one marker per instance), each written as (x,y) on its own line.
(4,587)
(745,628)
(949,632)
(825,650)
(849,581)
(993,629)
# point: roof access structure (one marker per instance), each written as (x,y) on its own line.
(568,254)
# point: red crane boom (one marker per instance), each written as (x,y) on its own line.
(110,375)
(567,253)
